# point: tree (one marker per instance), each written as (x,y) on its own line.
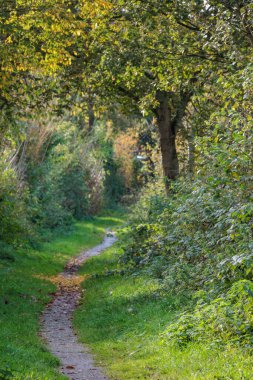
(35,40)
(149,56)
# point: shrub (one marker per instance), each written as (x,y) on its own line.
(7,252)
(14,227)
(198,241)
(227,319)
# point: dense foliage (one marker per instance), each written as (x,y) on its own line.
(53,176)
(108,101)
(198,241)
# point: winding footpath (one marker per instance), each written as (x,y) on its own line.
(57,331)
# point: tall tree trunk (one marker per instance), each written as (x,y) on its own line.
(167,134)
(168,127)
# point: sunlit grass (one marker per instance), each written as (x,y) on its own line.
(24,292)
(123,318)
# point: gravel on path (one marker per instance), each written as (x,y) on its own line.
(76,361)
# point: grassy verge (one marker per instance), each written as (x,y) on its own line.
(122,319)
(23,295)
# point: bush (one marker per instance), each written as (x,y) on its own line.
(14,227)
(227,319)
(7,252)
(73,184)
(52,178)
(198,242)
(204,235)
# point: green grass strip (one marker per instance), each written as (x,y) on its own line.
(24,294)
(123,318)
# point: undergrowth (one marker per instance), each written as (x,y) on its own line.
(198,243)
(176,301)
(125,319)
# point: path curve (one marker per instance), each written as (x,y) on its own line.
(57,331)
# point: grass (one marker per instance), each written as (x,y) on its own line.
(122,319)
(23,296)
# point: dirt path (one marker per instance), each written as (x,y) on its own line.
(76,361)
